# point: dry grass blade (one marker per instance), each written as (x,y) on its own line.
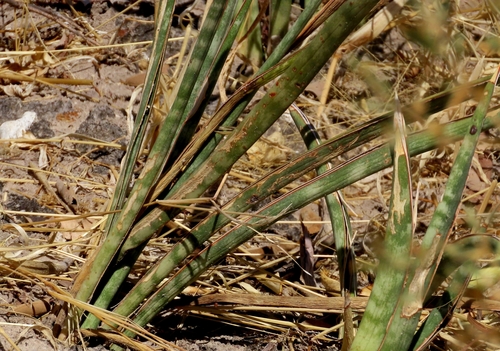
(326,11)
(56,17)
(9,340)
(106,316)
(333,304)
(369,31)
(349,330)
(49,81)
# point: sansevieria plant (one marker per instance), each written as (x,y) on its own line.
(189,155)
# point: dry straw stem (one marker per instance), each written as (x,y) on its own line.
(257,322)
(56,194)
(259,271)
(80,139)
(81,241)
(79,49)
(106,316)
(365,34)
(52,82)
(9,340)
(5,74)
(41,225)
(222,303)
(64,176)
(69,24)
(57,17)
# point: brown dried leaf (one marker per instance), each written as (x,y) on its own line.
(67,194)
(272,284)
(307,258)
(310,214)
(331,285)
(474,183)
(481,327)
(75,224)
(17,90)
(35,308)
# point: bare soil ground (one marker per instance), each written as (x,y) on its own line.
(87,111)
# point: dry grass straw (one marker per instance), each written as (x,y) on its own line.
(223,279)
(38,261)
(107,317)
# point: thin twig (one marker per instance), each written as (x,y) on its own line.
(43,180)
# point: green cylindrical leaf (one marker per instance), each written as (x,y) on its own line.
(341,176)
(395,256)
(336,209)
(86,283)
(406,318)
